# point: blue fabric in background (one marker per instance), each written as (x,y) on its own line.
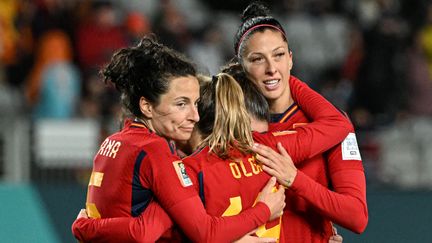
(60,92)
(23,216)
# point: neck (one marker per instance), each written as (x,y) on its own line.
(147,123)
(259,125)
(281,104)
(195,140)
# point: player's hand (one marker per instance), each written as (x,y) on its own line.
(82,214)
(279,165)
(335,238)
(275,200)
(249,237)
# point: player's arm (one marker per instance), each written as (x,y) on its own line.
(328,127)
(181,201)
(346,205)
(147,227)
(348,180)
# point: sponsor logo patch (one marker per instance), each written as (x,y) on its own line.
(181,173)
(350,150)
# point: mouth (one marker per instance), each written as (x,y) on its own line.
(187,129)
(271,84)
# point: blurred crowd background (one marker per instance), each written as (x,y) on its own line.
(371,58)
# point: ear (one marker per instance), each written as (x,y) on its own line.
(146,107)
(290,60)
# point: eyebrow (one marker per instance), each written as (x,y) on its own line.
(277,48)
(260,53)
(182,98)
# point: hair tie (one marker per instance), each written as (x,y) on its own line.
(214,78)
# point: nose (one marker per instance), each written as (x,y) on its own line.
(194,114)
(271,67)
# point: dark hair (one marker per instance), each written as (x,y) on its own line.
(145,71)
(256,103)
(254,15)
(206,105)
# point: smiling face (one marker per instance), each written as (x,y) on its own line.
(176,114)
(268,62)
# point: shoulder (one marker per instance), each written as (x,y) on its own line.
(158,148)
(197,159)
(143,140)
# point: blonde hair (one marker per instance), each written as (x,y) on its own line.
(231,126)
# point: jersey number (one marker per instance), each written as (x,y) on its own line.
(95,180)
(235,208)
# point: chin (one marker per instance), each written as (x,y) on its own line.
(273,95)
(182,137)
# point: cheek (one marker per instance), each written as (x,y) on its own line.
(254,73)
(286,66)
(166,123)
(252,70)
(177,118)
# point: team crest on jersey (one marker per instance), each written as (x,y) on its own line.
(350,150)
(181,173)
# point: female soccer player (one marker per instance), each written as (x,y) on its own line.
(261,47)
(160,90)
(211,168)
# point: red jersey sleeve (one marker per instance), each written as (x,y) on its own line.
(346,205)
(174,190)
(201,227)
(329,126)
(170,183)
(147,227)
(164,173)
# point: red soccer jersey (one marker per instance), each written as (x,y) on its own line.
(133,164)
(123,175)
(329,128)
(311,205)
(227,187)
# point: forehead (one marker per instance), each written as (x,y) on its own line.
(187,86)
(267,40)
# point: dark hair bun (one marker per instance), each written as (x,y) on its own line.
(255,9)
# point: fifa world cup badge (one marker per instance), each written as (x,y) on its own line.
(181,173)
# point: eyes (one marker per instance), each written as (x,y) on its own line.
(258,58)
(280,54)
(183,103)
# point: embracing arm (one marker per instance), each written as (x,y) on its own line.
(147,227)
(177,195)
(328,127)
(201,227)
(346,205)
(190,215)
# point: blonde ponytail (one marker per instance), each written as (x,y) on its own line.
(232,126)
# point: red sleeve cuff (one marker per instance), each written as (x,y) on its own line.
(299,181)
(264,213)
